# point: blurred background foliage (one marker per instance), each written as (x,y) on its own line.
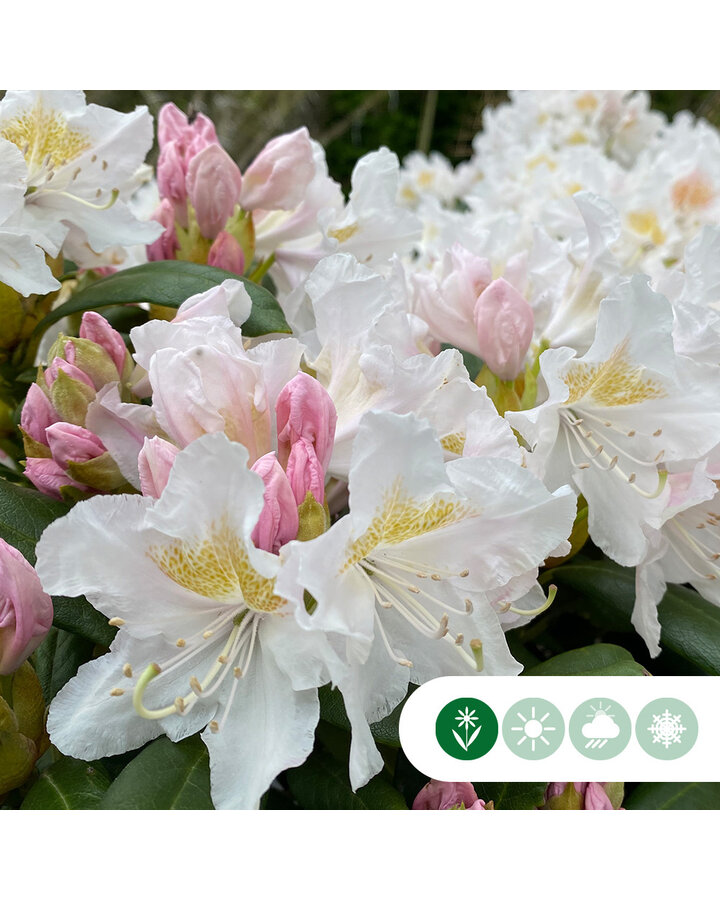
(351,123)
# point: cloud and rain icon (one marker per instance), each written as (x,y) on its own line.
(601,729)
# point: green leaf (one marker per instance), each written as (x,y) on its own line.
(675,795)
(606,592)
(58,658)
(512,795)
(597,659)
(68,784)
(322,782)
(168,283)
(24,515)
(332,710)
(75,614)
(165,775)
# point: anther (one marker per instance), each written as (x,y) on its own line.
(477,651)
(195,686)
(237,672)
(631,477)
(465,573)
(98,193)
(711,577)
(413,590)
(583,465)
(104,164)
(117,692)
(214,726)
(222,660)
(420,575)
(93,157)
(631,433)
(442,627)
(180,704)
(459,639)
(613,463)
(436,577)
(657,433)
(127,670)
(659,456)
(208,634)
(701,525)
(116,621)
(468,606)
(76,173)
(597,451)
(180,642)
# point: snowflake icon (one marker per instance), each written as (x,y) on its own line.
(667,729)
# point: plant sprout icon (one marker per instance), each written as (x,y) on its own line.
(533,729)
(468,719)
(601,729)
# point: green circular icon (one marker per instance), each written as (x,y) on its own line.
(466,728)
(600,728)
(533,728)
(666,728)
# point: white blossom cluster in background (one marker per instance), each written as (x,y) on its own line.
(345,504)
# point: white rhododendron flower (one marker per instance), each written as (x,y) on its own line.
(198,613)
(405,576)
(77,160)
(615,417)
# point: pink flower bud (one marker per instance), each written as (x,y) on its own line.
(280,174)
(448,795)
(304,410)
(26,611)
(226,253)
(589,794)
(305,473)
(166,245)
(278,522)
(155,461)
(171,173)
(73,443)
(96,328)
(173,125)
(49,477)
(213,185)
(37,414)
(51,373)
(504,322)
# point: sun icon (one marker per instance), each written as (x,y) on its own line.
(533,727)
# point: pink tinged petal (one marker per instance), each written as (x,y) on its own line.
(278,522)
(229,300)
(26,611)
(37,414)
(172,124)
(73,443)
(304,472)
(280,174)
(171,173)
(213,186)
(155,461)
(166,245)
(595,796)
(305,410)
(504,322)
(49,477)
(51,373)
(96,328)
(448,795)
(226,253)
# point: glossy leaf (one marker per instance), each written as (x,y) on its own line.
(605,592)
(24,515)
(169,283)
(512,795)
(165,775)
(675,795)
(597,659)
(58,658)
(75,614)
(68,784)
(322,782)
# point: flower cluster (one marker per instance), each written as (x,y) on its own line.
(264,514)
